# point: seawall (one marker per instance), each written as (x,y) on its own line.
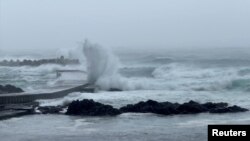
(30,97)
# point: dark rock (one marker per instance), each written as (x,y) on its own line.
(16,110)
(50,109)
(237,109)
(232,109)
(2,107)
(210,105)
(88,107)
(114,90)
(6,114)
(19,107)
(151,106)
(10,89)
(191,107)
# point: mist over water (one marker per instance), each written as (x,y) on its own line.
(188,71)
(173,75)
(102,66)
(164,50)
(180,69)
(166,76)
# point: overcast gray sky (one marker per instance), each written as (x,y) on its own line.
(46,25)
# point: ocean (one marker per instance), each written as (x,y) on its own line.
(209,75)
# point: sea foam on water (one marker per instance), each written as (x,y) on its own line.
(102,67)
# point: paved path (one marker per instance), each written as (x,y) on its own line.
(30,97)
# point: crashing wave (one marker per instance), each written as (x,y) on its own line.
(102,67)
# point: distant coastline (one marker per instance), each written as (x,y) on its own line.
(28,62)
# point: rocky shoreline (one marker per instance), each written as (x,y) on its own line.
(9,89)
(15,110)
(88,107)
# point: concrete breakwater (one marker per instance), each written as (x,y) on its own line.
(19,104)
(30,97)
(28,62)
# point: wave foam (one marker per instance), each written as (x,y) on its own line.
(102,67)
(103,71)
(203,79)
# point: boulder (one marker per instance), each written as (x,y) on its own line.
(88,107)
(210,105)
(151,106)
(9,89)
(232,109)
(50,109)
(114,90)
(191,107)
(168,108)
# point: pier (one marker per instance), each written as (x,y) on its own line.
(15,98)
(28,62)
(20,104)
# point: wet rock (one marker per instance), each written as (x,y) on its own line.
(88,107)
(232,109)
(191,108)
(210,105)
(152,106)
(2,107)
(114,90)
(50,109)
(91,108)
(16,110)
(9,89)
(168,108)
(6,114)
